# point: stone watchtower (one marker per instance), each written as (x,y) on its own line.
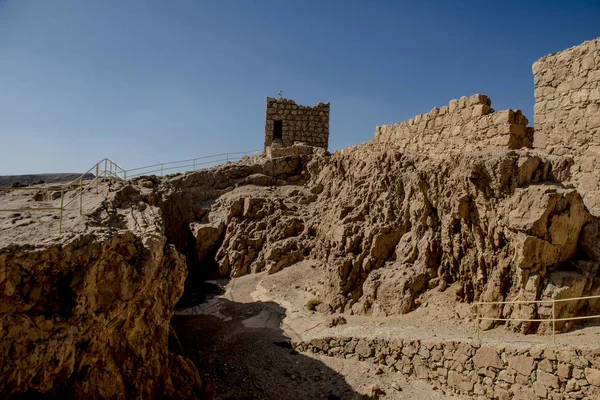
(288,122)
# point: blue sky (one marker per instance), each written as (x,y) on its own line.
(151,81)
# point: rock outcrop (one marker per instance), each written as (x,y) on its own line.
(388,225)
(87,316)
(455,196)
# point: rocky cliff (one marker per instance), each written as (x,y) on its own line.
(86,315)
(453,197)
(388,225)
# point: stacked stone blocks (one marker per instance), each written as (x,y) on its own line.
(466,124)
(309,125)
(478,370)
(567,113)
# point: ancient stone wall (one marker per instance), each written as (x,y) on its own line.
(466,124)
(567,113)
(305,124)
(479,370)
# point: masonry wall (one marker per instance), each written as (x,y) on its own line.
(305,124)
(466,124)
(567,113)
(481,371)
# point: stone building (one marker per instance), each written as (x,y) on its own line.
(288,123)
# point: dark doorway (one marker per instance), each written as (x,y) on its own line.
(277,130)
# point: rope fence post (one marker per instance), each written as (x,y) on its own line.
(97,178)
(553,322)
(80,196)
(477,319)
(62,202)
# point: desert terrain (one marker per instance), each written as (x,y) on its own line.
(454,255)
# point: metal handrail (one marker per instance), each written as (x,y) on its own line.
(193,159)
(160,167)
(112,170)
(553,319)
(95,166)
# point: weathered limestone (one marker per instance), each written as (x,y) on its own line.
(481,371)
(309,125)
(87,315)
(567,113)
(467,124)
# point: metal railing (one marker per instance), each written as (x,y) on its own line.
(552,320)
(105,169)
(191,164)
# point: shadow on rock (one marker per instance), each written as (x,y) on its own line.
(241,348)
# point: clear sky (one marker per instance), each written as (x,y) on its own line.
(157,80)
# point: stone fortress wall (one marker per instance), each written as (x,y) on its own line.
(466,124)
(567,113)
(309,125)
(483,371)
(566,120)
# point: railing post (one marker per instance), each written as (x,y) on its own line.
(553,322)
(62,201)
(81,196)
(105,165)
(477,319)
(194,165)
(124,175)
(227,157)
(97,178)
(161,169)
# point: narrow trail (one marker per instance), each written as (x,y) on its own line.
(240,340)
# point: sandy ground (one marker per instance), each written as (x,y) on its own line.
(238,340)
(38,227)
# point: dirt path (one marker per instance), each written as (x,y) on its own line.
(240,341)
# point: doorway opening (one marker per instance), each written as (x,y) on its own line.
(277,130)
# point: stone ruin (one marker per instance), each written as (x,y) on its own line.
(566,120)
(567,114)
(288,123)
(466,124)
(435,202)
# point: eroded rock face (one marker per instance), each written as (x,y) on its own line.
(88,316)
(391,223)
(388,225)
